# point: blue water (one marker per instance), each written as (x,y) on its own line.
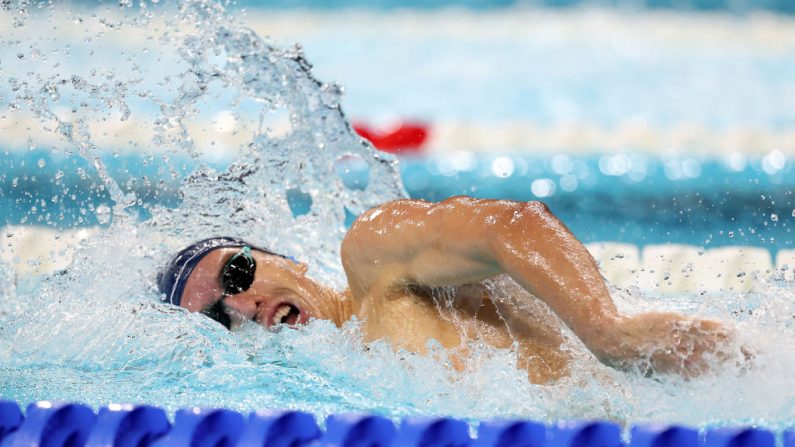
(651,201)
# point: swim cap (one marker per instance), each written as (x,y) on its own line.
(172,279)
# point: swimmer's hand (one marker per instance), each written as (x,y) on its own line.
(668,343)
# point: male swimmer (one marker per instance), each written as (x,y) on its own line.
(397,254)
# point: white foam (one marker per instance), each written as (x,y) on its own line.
(785,261)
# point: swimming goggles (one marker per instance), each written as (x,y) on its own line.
(236,277)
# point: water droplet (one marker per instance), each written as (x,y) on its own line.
(103,214)
(731,233)
(774,217)
(41,162)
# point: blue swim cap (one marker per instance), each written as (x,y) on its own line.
(172,279)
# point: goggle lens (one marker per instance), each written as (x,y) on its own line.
(236,277)
(238,274)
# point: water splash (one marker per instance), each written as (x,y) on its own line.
(258,129)
(145,351)
(197,61)
(283,132)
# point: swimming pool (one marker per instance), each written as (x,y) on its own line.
(629,198)
(139,350)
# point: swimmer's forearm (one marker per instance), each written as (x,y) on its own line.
(528,242)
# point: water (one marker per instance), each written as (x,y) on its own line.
(581,80)
(96,331)
(682,199)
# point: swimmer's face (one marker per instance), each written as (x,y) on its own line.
(280,292)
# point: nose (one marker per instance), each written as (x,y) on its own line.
(243,305)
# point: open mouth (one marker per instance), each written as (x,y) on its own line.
(285,313)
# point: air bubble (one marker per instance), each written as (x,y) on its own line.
(103,214)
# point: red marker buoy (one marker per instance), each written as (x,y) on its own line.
(405,138)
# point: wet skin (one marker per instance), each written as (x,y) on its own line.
(398,255)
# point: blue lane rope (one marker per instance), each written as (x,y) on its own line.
(64,424)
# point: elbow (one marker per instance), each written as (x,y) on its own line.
(529,224)
(527,214)
(537,214)
(509,222)
(537,208)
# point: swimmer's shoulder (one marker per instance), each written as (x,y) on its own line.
(375,223)
(424,205)
(402,210)
(381,214)
(381,238)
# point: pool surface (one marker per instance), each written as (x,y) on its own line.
(129,132)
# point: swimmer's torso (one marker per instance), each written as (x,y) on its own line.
(456,317)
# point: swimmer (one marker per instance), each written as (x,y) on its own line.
(401,255)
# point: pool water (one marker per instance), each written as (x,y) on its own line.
(96,331)
(637,199)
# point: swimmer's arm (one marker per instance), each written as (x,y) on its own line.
(462,240)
